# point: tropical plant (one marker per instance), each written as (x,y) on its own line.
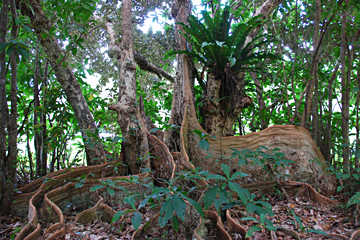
(220,45)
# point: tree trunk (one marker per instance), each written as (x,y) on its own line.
(11,161)
(345,90)
(3,102)
(43,117)
(328,136)
(313,70)
(134,143)
(41,24)
(181,9)
(357,146)
(38,144)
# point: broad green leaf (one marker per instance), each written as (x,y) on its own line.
(175,223)
(130,200)
(226,170)
(238,175)
(110,191)
(166,212)
(204,144)
(252,230)
(213,176)
(136,220)
(236,187)
(210,196)
(250,218)
(179,206)
(78,185)
(96,187)
(354,199)
(117,216)
(196,205)
(23,52)
(3,46)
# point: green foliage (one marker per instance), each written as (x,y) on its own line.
(354,199)
(218,44)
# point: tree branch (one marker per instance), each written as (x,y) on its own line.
(149,67)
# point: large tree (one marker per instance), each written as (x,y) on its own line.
(194,143)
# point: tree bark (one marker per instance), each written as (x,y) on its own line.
(40,170)
(3,102)
(43,116)
(328,135)
(11,161)
(357,147)
(345,90)
(64,74)
(181,9)
(259,96)
(134,143)
(314,66)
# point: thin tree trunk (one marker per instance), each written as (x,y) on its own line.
(43,117)
(328,135)
(357,148)
(37,134)
(29,155)
(11,162)
(3,103)
(313,71)
(345,91)
(260,99)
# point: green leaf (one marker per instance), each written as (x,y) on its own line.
(44,35)
(78,185)
(74,51)
(117,216)
(354,199)
(236,187)
(238,175)
(110,191)
(204,44)
(136,220)
(175,223)
(250,218)
(179,206)
(210,196)
(23,52)
(252,230)
(168,209)
(220,44)
(215,176)
(130,200)
(28,29)
(10,50)
(96,187)
(226,170)
(321,232)
(3,46)
(204,144)
(196,205)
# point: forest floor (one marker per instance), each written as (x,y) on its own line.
(299,219)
